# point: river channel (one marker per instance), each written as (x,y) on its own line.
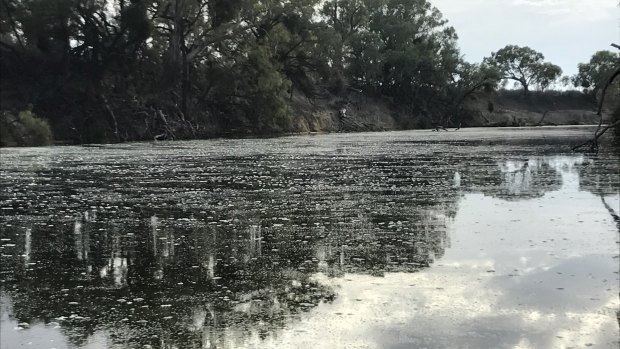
(480,238)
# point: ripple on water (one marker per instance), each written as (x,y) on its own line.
(478,238)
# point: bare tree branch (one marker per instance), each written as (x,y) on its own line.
(600,130)
(13,24)
(609,82)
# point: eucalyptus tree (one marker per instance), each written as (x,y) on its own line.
(404,50)
(119,68)
(594,74)
(467,80)
(69,51)
(189,30)
(524,65)
(347,24)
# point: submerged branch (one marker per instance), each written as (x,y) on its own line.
(593,143)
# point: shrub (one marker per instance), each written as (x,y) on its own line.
(24,130)
(6,136)
(38,129)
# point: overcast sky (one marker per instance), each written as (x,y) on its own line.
(567,32)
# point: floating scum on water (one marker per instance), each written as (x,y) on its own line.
(315,241)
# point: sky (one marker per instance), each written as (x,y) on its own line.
(567,32)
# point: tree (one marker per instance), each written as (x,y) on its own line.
(116,70)
(524,65)
(593,75)
(548,73)
(468,79)
(191,28)
(265,88)
(255,70)
(604,85)
(346,20)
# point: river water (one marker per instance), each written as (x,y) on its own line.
(481,238)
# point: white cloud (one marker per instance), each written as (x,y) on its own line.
(569,10)
(566,31)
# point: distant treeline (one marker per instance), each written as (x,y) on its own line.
(119,70)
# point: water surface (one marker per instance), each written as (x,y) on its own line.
(484,238)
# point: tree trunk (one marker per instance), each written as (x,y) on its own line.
(112,116)
(600,131)
(185,87)
(177,53)
(176,39)
(526,87)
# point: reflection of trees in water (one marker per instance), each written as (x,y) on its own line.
(599,176)
(527,179)
(208,268)
(183,281)
(146,286)
(385,247)
(229,264)
(521,179)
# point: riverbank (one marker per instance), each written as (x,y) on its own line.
(498,109)
(350,112)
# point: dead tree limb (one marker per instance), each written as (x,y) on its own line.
(542,118)
(168,132)
(112,116)
(593,143)
(9,13)
(607,84)
(600,130)
(458,106)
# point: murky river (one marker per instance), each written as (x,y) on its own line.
(488,238)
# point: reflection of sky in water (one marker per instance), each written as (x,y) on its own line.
(519,175)
(541,273)
(509,254)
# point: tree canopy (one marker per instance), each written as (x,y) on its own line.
(593,74)
(114,70)
(524,65)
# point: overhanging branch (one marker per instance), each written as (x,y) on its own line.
(600,130)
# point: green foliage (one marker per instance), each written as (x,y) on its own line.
(134,19)
(6,132)
(223,11)
(594,74)
(400,49)
(46,24)
(471,77)
(524,65)
(265,88)
(109,70)
(547,74)
(38,129)
(234,63)
(24,130)
(541,101)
